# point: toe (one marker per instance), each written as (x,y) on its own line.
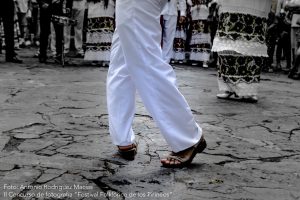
(177,162)
(165,161)
(172,162)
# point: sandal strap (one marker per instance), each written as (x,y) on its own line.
(129,153)
(181,160)
(132,148)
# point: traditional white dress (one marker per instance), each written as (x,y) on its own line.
(200,43)
(241,45)
(170,30)
(179,41)
(99,31)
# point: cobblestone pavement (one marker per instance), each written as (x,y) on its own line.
(55,144)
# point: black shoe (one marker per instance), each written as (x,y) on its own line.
(14,59)
(43,59)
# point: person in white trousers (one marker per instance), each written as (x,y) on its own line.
(170,14)
(137,66)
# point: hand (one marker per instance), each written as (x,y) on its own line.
(28,14)
(45,5)
(181,19)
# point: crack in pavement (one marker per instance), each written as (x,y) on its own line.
(142,115)
(25,126)
(239,159)
(46,118)
(73,108)
(292,132)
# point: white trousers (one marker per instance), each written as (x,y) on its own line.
(169,30)
(137,66)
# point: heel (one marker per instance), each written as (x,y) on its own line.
(202,146)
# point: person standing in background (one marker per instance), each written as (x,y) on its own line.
(200,41)
(170,15)
(241,46)
(7,11)
(293,6)
(283,42)
(100,29)
(78,15)
(47,9)
(34,25)
(271,37)
(280,6)
(23,12)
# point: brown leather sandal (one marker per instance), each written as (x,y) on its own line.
(180,161)
(127,154)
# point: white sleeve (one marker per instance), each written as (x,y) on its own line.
(190,2)
(182,7)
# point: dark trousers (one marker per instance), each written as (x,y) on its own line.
(57,9)
(296,64)
(33,25)
(271,43)
(45,21)
(284,43)
(7,15)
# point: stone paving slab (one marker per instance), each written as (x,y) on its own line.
(55,142)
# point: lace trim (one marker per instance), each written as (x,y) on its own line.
(241,47)
(97,55)
(99,37)
(202,55)
(179,55)
(241,89)
(200,51)
(98,47)
(200,38)
(180,34)
(97,9)
(199,12)
(200,47)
